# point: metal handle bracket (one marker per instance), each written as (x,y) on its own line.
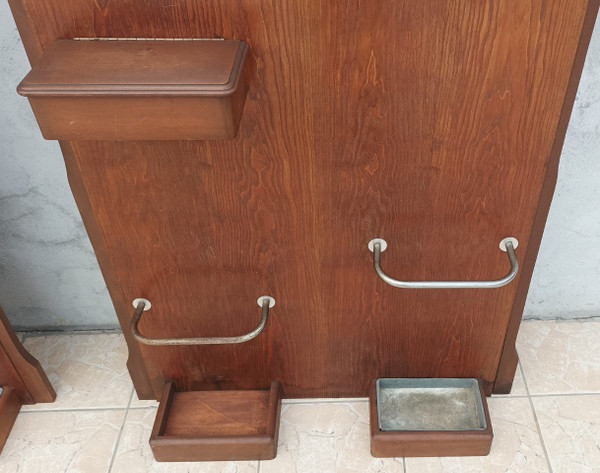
(378,245)
(141,305)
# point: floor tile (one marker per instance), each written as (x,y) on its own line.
(87,371)
(516,447)
(327,438)
(570,427)
(560,357)
(58,442)
(135,456)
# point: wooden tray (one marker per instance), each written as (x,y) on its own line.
(429,417)
(138,90)
(217,425)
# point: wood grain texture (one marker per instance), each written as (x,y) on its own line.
(429,124)
(387,444)
(136,68)
(135,363)
(217,425)
(67,118)
(509,357)
(10,405)
(19,370)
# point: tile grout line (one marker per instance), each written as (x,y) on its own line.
(116,448)
(331,400)
(508,396)
(535,418)
(593,393)
(75,409)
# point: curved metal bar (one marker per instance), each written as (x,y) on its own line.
(507,243)
(265,302)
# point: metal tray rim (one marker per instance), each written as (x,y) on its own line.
(407,383)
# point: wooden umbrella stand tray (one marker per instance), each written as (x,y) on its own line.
(217,425)
(429,417)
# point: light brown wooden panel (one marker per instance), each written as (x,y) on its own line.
(430,124)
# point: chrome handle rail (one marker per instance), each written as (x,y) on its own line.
(378,245)
(142,305)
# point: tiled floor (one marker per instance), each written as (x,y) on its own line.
(549,423)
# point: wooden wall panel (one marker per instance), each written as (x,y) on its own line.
(430,124)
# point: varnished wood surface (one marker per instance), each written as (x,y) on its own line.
(19,370)
(124,90)
(127,118)
(429,124)
(136,68)
(10,405)
(135,363)
(217,425)
(220,413)
(509,357)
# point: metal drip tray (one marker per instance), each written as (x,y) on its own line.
(425,404)
(428,417)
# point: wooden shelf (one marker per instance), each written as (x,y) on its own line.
(217,425)
(139,90)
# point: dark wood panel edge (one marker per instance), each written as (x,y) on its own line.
(35,384)
(233,440)
(163,413)
(275,396)
(33,48)
(10,405)
(509,358)
(135,362)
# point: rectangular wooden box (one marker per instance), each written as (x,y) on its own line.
(447,440)
(139,90)
(217,425)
